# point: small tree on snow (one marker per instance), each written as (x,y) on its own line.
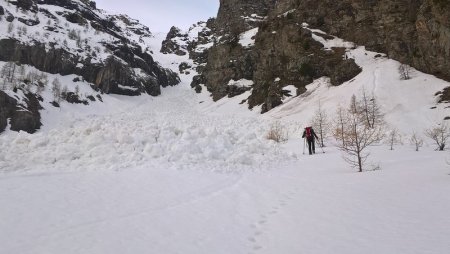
(439,134)
(8,73)
(370,109)
(357,136)
(320,123)
(416,140)
(338,130)
(394,137)
(56,90)
(32,76)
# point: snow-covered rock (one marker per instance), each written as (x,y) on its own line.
(72,37)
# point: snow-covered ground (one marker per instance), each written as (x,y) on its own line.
(315,204)
(181,174)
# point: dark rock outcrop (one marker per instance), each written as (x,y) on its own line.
(184,66)
(29,5)
(29,22)
(22,117)
(76,18)
(73,98)
(7,107)
(169,46)
(28,120)
(444,95)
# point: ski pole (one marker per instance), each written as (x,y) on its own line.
(304,144)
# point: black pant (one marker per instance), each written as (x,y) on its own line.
(311,145)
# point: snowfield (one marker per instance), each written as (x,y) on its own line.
(182,174)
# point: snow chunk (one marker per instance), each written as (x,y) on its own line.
(287,13)
(128,88)
(254,18)
(292,91)
(241,83)
(202,47)
(247,39)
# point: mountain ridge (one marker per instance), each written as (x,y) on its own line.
(109,52)
(412,32)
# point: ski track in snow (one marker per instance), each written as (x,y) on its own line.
(259,229)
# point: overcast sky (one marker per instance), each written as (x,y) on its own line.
(160,15)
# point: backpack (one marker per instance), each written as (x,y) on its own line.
(308,133)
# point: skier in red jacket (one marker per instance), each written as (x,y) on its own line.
(310,136)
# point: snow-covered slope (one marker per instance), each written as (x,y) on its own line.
(180,173)
(409,105)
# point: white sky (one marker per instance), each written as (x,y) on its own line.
(160,15)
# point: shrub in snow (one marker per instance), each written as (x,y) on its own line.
(277,133)
(416,140)
(439,134)
(404,71)
(393,138)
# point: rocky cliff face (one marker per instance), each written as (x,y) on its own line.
(73,37)
(118,48)
(283,52)
(416,32)
(237,16)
